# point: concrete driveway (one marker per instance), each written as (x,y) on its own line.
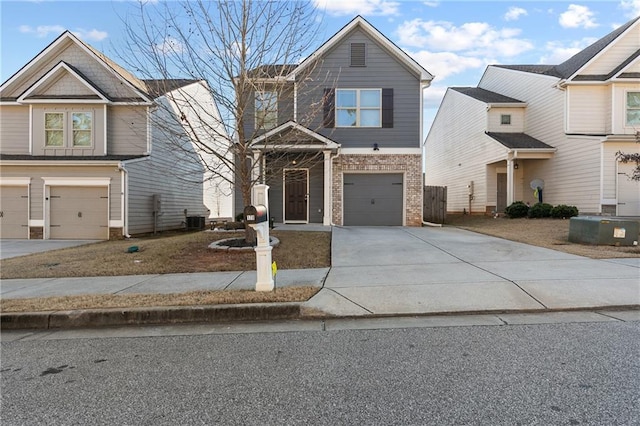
(15,248)
(397,270)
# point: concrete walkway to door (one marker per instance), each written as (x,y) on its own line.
(404,271)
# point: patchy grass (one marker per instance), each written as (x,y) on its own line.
(549,233)
(175,253)
(286,294)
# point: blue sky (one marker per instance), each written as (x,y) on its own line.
(455,40)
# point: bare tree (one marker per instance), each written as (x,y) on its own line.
(633,157)
(242,50)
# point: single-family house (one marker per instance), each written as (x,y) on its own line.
(544,132)
(339,141)
(82,155)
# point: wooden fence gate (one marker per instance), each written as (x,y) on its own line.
(434,204)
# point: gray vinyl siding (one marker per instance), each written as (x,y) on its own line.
(126,130)
(175,174)
(14,129)
(36,173)
(285,108)
(381,71)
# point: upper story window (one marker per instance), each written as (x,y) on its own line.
(266,107)
(56,127)
(358,107)
(633,108)
(505,119)
(358,55)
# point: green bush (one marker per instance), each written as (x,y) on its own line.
(240,217)
(563,211)
(517,209)
(540,210)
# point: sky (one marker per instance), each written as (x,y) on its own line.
(453,40)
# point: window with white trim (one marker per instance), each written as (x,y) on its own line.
(57,129)
(266,107)
(505,119)
(358,107)
(633,108)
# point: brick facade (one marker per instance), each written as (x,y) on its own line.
(36,232)
(408,164)
(115,234)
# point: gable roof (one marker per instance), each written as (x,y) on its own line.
(360,22)
(324,142)
(158,87)
(120,73)
(487,96)
(574,64)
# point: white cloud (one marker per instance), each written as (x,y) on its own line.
(445,64)
(475,38)
(169,45)
(558,53)
(577,16)
(431,3)
(358,7)
(42,31)
(514,13)
(631,7)
(433,97)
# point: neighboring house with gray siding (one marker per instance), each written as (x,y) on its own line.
(341,144)
(81,156)
(560,125)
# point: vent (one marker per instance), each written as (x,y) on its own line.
(358,55)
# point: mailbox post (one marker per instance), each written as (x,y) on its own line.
(256,217)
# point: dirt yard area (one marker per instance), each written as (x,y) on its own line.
(549,233)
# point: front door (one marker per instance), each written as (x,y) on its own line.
(501,196)
(296,184)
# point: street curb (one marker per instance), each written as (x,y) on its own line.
(87,318)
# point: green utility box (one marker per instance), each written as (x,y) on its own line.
(603,231)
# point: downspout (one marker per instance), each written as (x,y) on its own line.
(124,207)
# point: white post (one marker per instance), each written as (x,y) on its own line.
(510,183)
(328,189)
(264,277)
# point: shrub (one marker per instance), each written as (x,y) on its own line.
(517,209)
(540,210)
(563,211)
(240,217)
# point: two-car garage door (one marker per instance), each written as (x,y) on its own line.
(78,212)
(373,199)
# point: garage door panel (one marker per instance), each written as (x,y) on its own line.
(373,199)
(14,205)
(78,213)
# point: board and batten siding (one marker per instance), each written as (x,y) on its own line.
(382,71)
(586,109)
(127,130)
(457,151)
(14,129)
(616,53)
(97,130)
(79,172)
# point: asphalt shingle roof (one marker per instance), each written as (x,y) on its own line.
(486,95)
(159,87)
(518,141)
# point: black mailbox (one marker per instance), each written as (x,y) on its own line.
(255,214)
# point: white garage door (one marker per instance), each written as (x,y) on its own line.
(79,213)
(628,191)
(14,204)
(373,199)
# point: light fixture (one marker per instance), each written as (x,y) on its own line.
(295,162)
(515,166)
(375,147)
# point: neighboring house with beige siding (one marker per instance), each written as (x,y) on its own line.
(560,124)
(81,156)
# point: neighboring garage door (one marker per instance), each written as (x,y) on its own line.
(628,193)
(14,204)
(78,213)
(373,199)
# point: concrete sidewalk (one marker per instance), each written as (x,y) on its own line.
(392,271)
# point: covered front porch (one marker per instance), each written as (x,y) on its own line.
(296,163)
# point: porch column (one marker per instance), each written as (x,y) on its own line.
(328,189)
(510,184)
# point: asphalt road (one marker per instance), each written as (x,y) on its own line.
(560,374)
